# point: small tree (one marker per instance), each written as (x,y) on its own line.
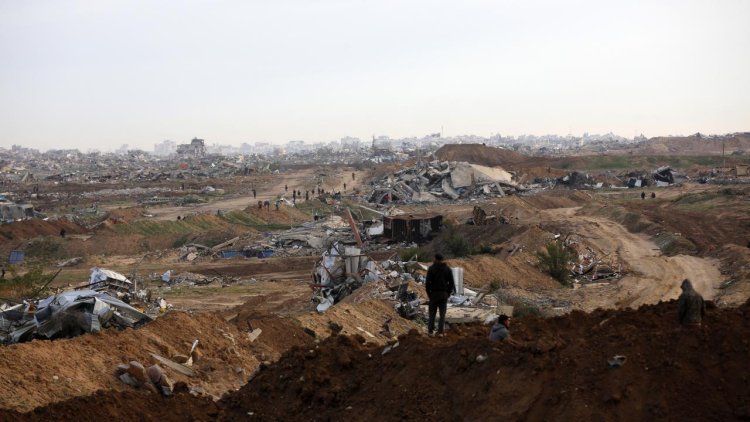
(455,244)
(554,260)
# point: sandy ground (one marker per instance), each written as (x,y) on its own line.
(651,276)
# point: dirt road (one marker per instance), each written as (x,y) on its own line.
(293,180)
(651,276)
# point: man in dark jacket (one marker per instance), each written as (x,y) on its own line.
(692,309)
(439,288)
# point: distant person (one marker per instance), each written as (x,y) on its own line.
(267,205)
(653,195)
(352,175)
(344,187)
(277,204)
(643,195)
(286,188)
(2,271)
(260,205)
(62,233)
(307,195)
(439,286)
(253,193)
(692,308)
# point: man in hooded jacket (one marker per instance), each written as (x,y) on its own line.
(692,308)
(439,286)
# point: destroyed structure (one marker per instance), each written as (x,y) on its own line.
(10,211)
(448,180)
(66,314)
(102,303)
(195,149)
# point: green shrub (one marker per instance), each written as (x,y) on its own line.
(456,245)
(43,248)
(555,259)
(495,285)
(524,310)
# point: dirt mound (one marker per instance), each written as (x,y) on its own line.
(481,270)
(559,371)
(735,260)
(695,145)
(559,199)
(122,406)
(42,372)
(480,154)
(28,229)
(359,315)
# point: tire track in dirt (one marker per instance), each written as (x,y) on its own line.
(651,276)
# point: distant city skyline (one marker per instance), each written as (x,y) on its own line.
(93,74)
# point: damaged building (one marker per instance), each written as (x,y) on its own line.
(442,180)
(196,148)
(411,228)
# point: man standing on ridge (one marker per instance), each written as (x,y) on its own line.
(439,286)
(692,308)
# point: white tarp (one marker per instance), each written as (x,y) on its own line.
(461,175)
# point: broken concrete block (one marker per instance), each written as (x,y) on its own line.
(155,373)
(180,358)
(166,386)
(137,371)
(253,335)
(127,379)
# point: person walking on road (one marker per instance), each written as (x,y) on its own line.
(439,286)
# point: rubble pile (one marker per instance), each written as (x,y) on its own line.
(315,235)
(193,279)
(443,179)
(341,273)
(591,265)
(66,314)
(342,270)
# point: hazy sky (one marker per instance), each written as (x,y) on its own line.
(96,74)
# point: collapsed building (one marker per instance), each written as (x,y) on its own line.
(411,228)
(10,211)
(196,148)
(102,303)
(65,315)
(448,180)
